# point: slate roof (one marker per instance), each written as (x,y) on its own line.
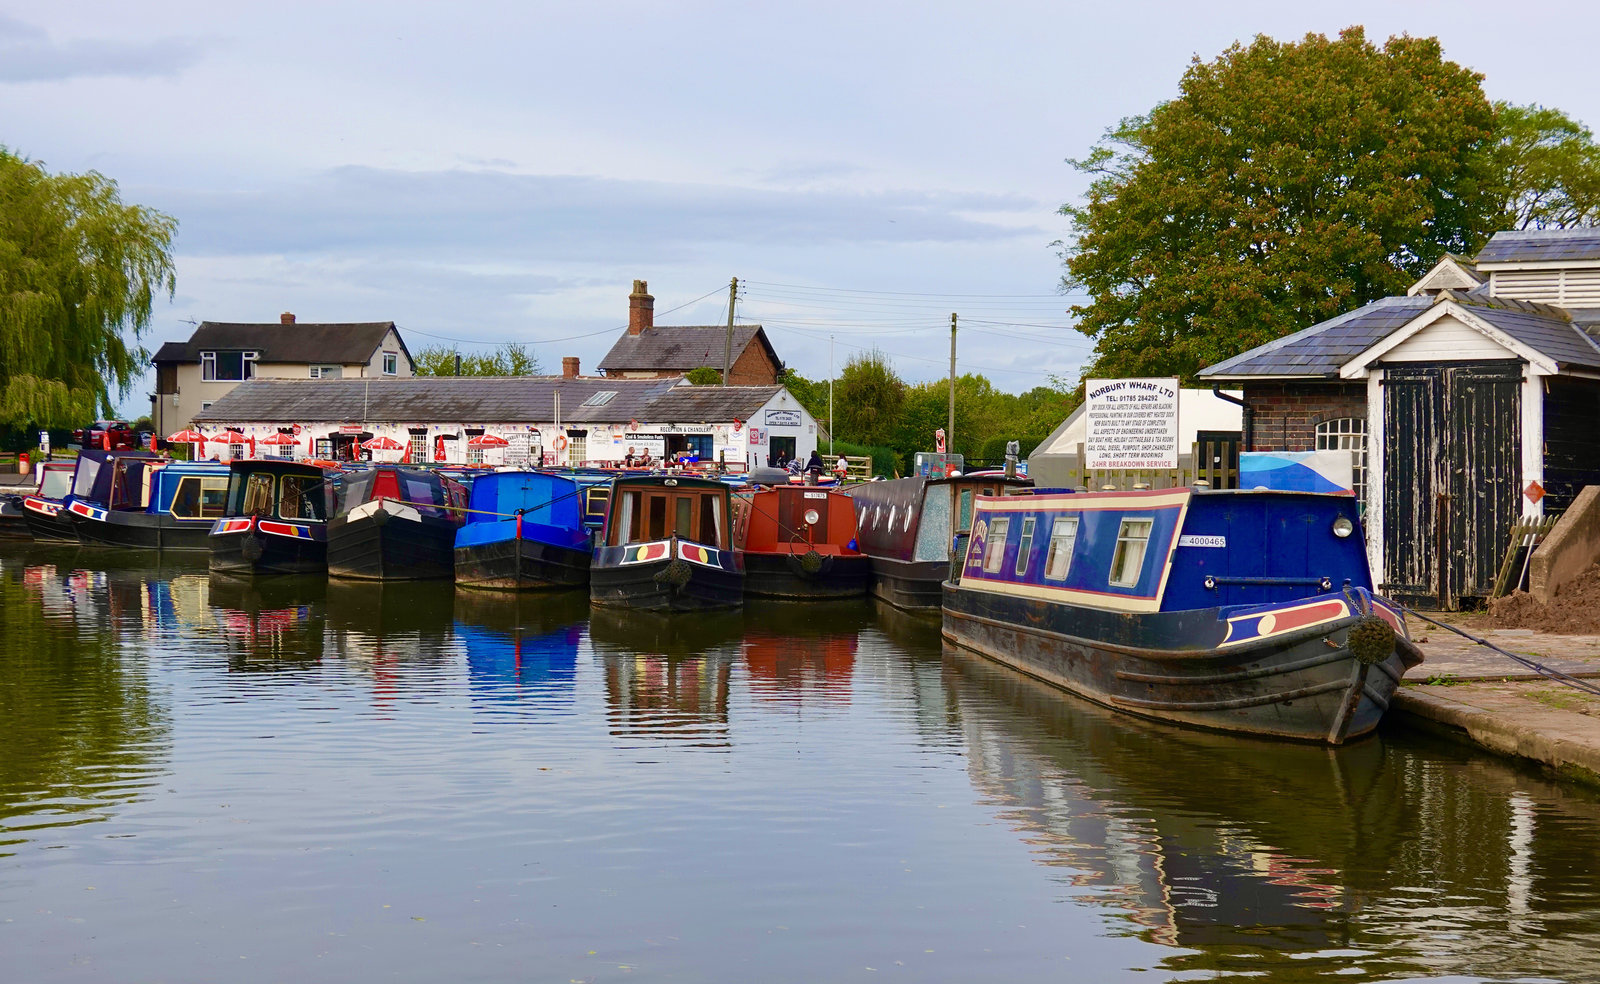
(1321,349)
(1544,329)
(682,348)
(480,399)
(1542,246)
(346,343)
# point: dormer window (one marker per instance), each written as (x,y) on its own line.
(391,363)
(222,367)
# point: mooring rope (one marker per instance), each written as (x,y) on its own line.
(1526,661)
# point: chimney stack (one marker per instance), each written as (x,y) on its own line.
(641,308)
(569,367)
(286,318)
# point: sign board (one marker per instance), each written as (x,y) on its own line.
(784,418)
(1132,423)
(757,436)
(1297,471)
(653,444)
(44,443)
(350,428)
(516,451)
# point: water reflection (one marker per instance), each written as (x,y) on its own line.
(266,625)
(1284,862)
(667,676)
(521,646)
(795,654)
(83,733)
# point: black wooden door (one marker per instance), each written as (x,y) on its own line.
(1451,481)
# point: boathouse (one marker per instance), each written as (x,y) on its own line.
(567,420)
(1466,404)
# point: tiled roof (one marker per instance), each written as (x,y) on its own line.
(681,348)
(479,399)
(1542,246)
(1542,328)
(336,344)
(1321,349)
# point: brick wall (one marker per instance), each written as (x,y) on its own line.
(754,367)
(1287,414)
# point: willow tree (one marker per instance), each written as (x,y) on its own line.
(79,274)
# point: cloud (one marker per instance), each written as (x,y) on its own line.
(27,54)
(474,214)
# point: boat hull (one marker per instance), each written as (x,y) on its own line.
(233,553)
(52,526)
(910,584)
(1304,685)
(783,575)
(13,521)
(143,531)
(666,584)
(393,548)
(521,565)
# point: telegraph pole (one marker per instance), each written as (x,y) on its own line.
(950,428)
(830,396)
(727,352)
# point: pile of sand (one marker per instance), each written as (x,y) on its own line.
(1575,610)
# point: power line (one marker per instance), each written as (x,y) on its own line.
(896,293)
(551,341)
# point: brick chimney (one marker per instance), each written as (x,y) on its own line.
(286,318)
(569,367)
(641,308)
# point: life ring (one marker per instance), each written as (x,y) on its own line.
(560,442)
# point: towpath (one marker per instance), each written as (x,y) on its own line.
(1471,693)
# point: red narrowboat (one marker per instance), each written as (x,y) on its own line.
(800,542)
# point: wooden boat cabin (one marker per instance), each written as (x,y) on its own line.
(1247,611)
(395,524)
(668,546)
(907,526)
(527,531)
(276,519)
(176,505)
(799,542)
(40,510)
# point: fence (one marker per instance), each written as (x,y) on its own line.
(1215,463)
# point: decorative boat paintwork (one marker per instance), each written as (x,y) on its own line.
(1238,611)
(174,509)
(799,542)
(667,547)
(277,519)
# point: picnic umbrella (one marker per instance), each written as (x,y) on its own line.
(382,444)
(488,441)
(187,437)
(281,439)
(229,437)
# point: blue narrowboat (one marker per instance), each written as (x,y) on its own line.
(667,546)
(157,506)
(276,519)
(1242,611)
(107,480)
(528,531)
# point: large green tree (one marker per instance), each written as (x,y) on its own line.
(1549,169)
(867,399)
(80,271)
(509,359)
(1284,184)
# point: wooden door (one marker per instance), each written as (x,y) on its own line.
(1485,481)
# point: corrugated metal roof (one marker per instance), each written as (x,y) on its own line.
(477,399)
(1541,246)
(1321,349)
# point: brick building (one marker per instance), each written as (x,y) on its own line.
(650,351)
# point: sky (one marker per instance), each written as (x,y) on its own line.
(490,172)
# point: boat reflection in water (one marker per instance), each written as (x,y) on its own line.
(795,658)
(521,647)
(1279,861)
(666,676)
(269,624)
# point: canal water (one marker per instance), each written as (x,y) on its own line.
(204,780)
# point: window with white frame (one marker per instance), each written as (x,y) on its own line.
(1348,434)
(1063,537)
(327,372)
(391,363)
(419,448)
(1127,563)
(223,367)
(994,546)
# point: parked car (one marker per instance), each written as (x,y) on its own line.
(107,435)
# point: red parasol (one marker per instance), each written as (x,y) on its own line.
(229,437)
(488,441)
(280,439)
(382,444)
(187,437)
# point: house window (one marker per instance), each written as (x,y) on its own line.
(474,455)
(1133,536)
(994,547)
(419,449)
(223,367)
(391,363)
(1348,434)
(1026,546)
(205,405)
(327,372)
(1063,537)
(577,447)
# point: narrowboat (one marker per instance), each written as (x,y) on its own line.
(395,524)
(528,531)
(799,542)
(1244,611)
(161,506)
(667,546)
(52,484)
(907,526)
(50,518)
(276,519)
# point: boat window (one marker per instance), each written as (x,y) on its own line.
(419,491)
(213,497)
(933,527)
(658,518)
(1063,536)
(964,520)
(891,517)
(994,546)
(628,519)
(683,516)
(300,497)
(88,471)
(710,520)
(257,495)
(1133,536)
(595,503)
(56,484)
(1025,547)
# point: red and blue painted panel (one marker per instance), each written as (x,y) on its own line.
(236,525)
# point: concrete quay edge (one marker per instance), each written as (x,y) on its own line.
(1563,742)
